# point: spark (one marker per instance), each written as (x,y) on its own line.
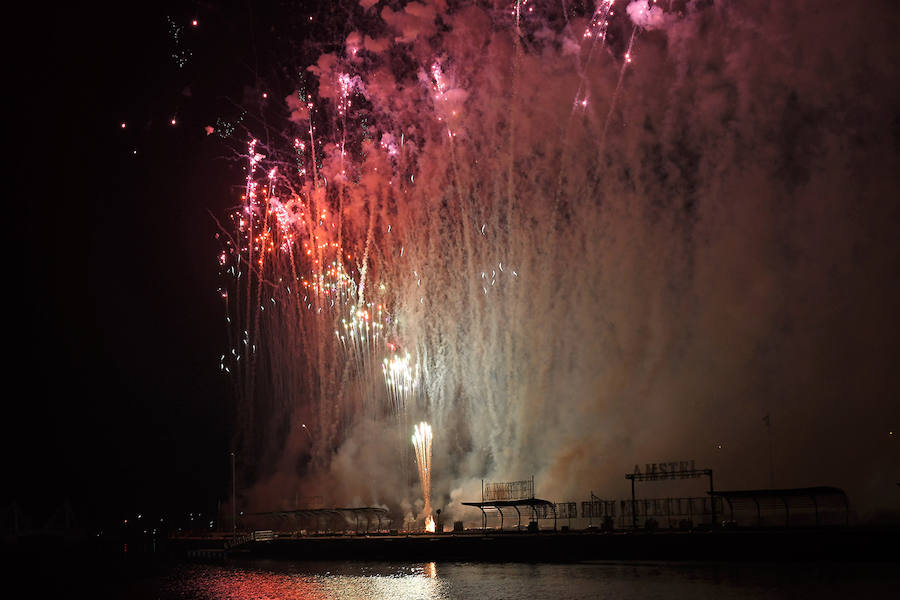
(401,377)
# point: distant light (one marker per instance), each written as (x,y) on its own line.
(123,125)
(172,121)
(194,22)
(265,95)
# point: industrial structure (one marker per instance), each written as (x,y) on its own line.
(363,519)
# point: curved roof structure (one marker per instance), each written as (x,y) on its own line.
(538,507)
(820,499)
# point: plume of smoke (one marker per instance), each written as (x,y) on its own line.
(645,14)
(580,306)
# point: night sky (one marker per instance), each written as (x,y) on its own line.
(115,323)
(119,404)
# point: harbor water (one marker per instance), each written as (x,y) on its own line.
(260,579)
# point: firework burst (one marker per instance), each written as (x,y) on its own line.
(443,213)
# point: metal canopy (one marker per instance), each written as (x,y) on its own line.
(366,512)
(821,497)
(537,506)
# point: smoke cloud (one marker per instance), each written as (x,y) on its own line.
(646,15)
(600,263)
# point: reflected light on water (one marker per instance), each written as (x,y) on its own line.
(430,570)
(410,582)
(350,580)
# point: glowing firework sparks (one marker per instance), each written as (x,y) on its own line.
(367,226)
(292,279)
(421,440)
(540,207)
(309,259)
(401,376)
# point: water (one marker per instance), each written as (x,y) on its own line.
(265,579)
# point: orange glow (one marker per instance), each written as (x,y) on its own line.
(430,570)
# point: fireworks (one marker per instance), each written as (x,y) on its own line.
(429,214)
(401,379)
(421,441)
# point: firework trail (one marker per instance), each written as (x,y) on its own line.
(421,441)
(401,377)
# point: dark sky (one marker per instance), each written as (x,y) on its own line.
(117,402)
(115,398)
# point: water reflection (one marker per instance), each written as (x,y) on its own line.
(316,582)
(270,580)
(431,570)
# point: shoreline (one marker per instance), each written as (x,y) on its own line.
(844,544)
